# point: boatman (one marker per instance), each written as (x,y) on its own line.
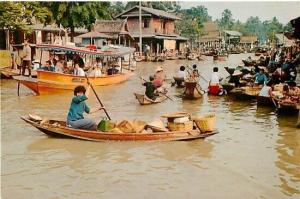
(150,88)
(78,106)
(26,58)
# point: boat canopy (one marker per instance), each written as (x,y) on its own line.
(106,51)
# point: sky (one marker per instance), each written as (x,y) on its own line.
(284,11)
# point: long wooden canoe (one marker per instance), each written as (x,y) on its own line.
(192,90)
(59,129)
(288,108)
(49,82)
(266,101)
(245,93)
(143,100)
(8,72)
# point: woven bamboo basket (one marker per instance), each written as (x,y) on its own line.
(206,123)
(187,126)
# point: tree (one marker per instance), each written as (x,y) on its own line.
(272,27)
(255,26)
(78,14)
(170,6)
(226,21)
(18,15)
(117,8)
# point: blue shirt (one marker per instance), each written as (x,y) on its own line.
(48,69)
(77,108)
(261,78)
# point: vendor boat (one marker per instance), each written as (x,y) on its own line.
(59,129)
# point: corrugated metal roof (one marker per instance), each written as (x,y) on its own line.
(233,33)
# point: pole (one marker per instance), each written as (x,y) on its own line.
(88,81)
(140,20)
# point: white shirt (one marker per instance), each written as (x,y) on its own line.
(79,72)
(264,92)
(181,74)
(214,79)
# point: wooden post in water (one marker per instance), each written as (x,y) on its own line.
(298,121)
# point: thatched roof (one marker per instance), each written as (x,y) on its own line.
(248,39)
(210,27)
(159,13)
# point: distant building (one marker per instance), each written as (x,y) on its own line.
(117,30)
(231,36)
(158,29)
(282,40)
(248,41)
(212,35)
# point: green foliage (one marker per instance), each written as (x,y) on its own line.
(18,15)
(227,21)
(117,8)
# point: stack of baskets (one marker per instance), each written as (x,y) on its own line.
(206,123)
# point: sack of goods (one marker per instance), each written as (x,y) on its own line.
(206,123)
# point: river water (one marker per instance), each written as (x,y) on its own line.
(255,155)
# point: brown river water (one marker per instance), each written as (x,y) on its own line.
(255,155)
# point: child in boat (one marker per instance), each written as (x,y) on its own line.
(78,70)
(150,88)
(181,73)
(78,106)
(159,77)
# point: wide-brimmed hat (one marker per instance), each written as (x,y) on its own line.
(237,73)
(158,69)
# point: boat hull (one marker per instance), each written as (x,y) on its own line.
(66,132)
(145,101)
(49,82)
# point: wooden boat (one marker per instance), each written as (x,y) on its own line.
(245,93)
(48,82)
(192,56)
(192,90)
(161,58)
(288,107)
(229,70)
(8,72)
(143,100)
(228,87)
(222,57)
(257,54)
(266,101)
(181,57)
(59,129)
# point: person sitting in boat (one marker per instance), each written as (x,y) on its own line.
(66,69)
(293,89)
(95,72)
(260,78)
(78,106)
(59,67)
(150,88)
(267,89)
(214,87)
(48,66)
(78,71)
(159,77)
(54,63)
(249,59)
(181,73)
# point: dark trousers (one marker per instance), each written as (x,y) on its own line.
(26,64)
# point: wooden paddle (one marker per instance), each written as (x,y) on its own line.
(195,81)
(88,81)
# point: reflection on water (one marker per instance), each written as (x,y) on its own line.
(288,149)
(255,155)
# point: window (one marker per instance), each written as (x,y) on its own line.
(146,23)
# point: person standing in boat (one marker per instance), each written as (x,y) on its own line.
(26,63)
(78,106)
(78,71)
